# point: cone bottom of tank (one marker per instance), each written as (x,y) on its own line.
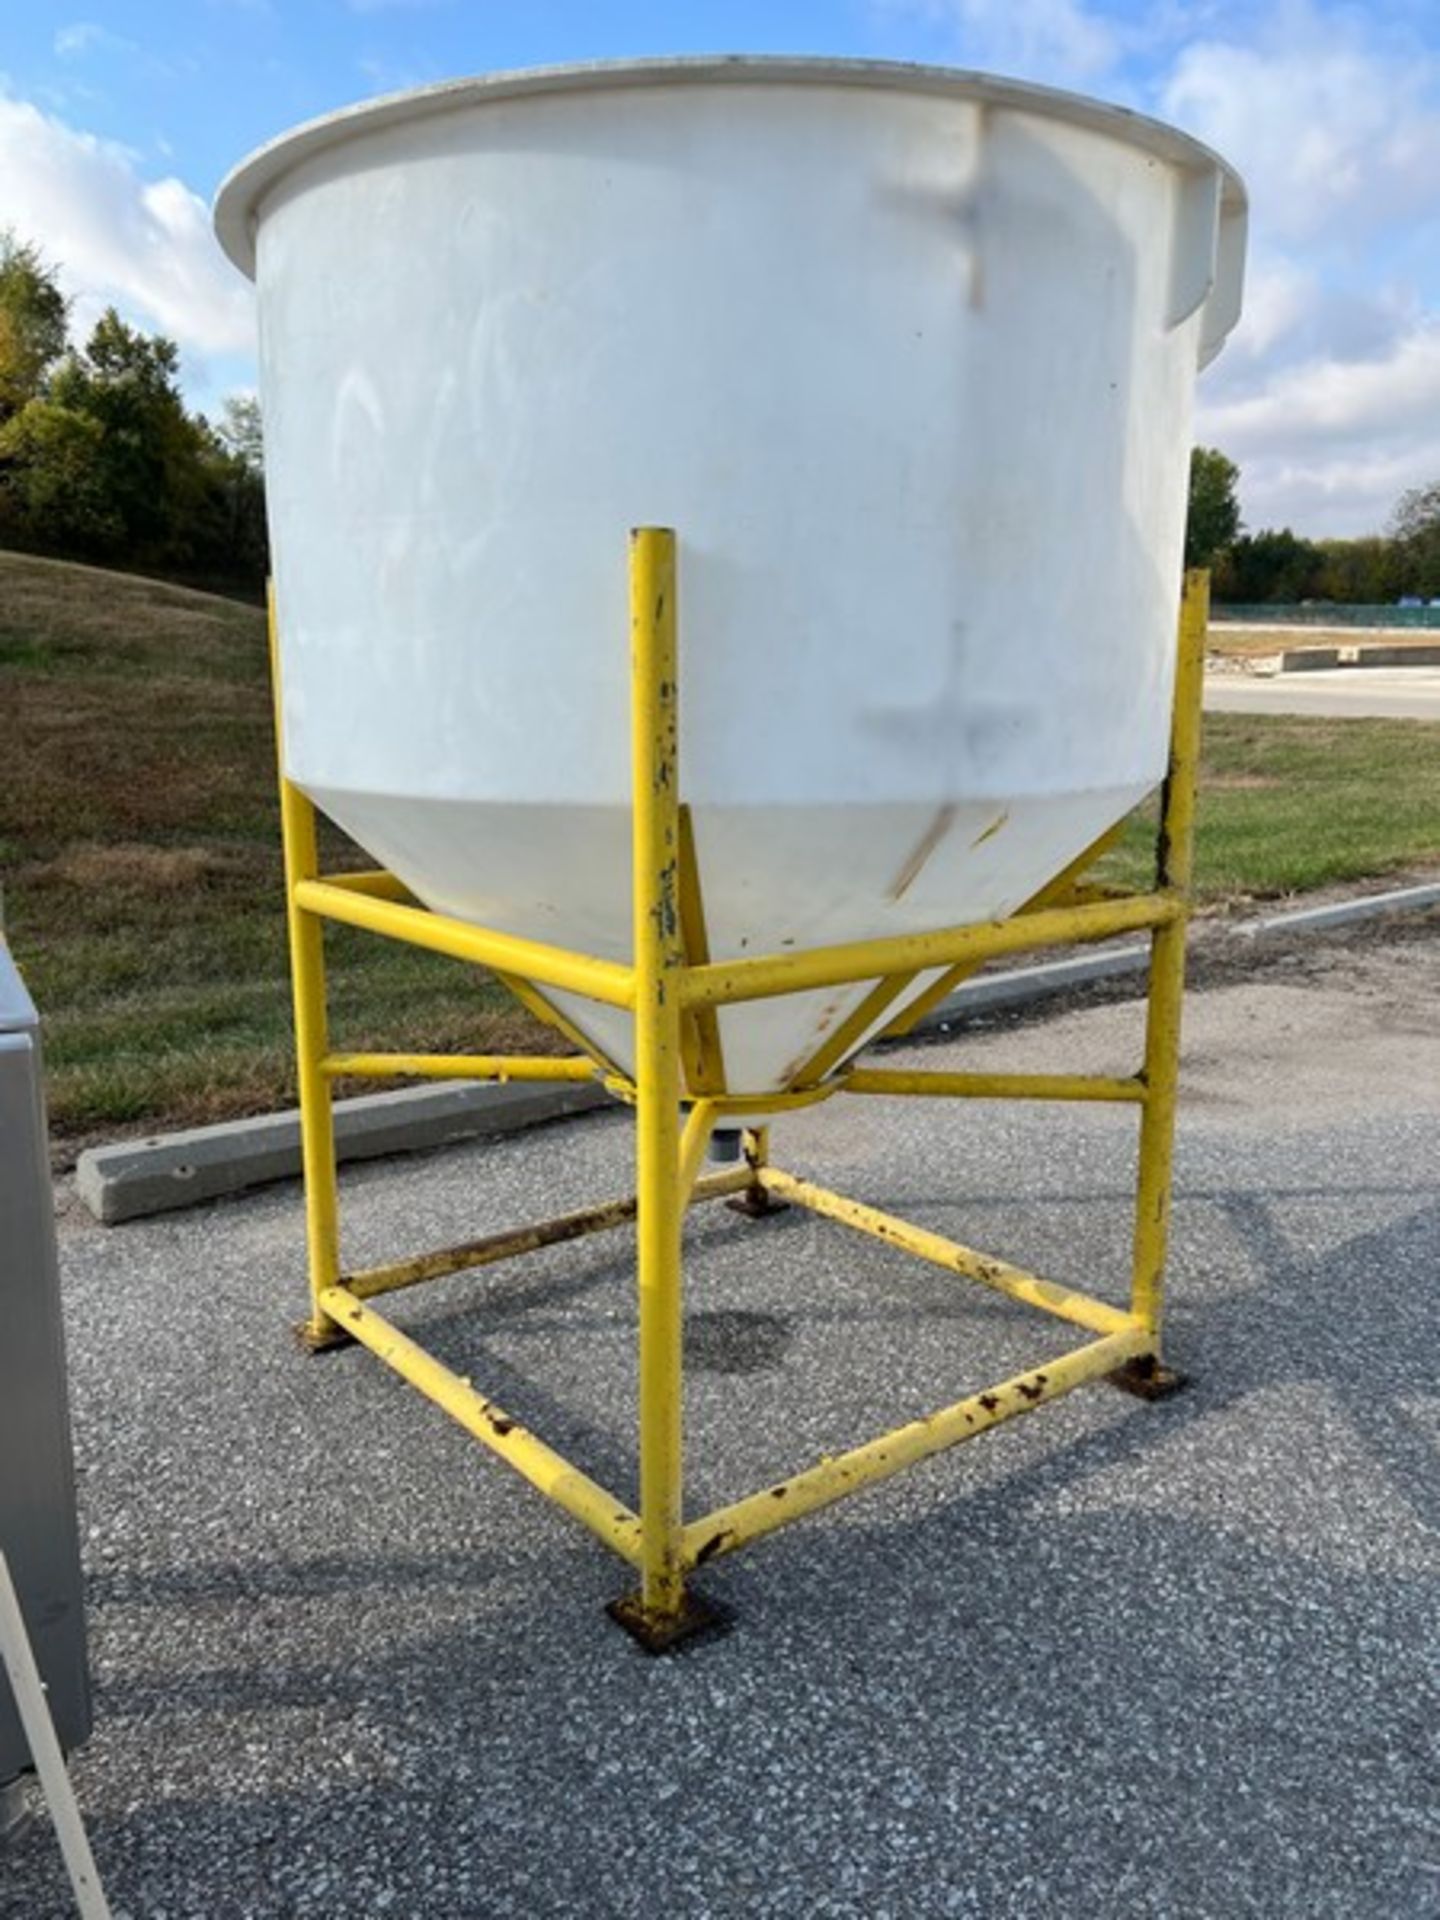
(759,881)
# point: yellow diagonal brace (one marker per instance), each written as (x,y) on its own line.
(851,1030)
(699,1031)
(1053,893)
(375,881)
(550,1016)
(693,1143)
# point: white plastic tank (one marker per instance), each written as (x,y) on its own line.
(907,358)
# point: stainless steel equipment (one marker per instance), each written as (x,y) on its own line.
(37,1483)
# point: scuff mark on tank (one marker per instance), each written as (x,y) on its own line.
(994,827)
(934,833)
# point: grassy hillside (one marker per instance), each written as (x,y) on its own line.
(139,849)
(140,854)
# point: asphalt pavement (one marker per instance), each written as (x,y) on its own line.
(1380,693)
(1114,1659)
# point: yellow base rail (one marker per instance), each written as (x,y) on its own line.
(672,988)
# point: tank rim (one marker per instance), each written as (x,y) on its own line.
(238,208)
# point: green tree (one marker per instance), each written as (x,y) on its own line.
(241,431)
(1415,529)
(33,318)
(52,483)
(1214,518)
(106,464)
(149,451)
(99,458)
(1361,572)
(1274,564)
(228,529)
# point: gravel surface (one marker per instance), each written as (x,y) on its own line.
(1175,1660)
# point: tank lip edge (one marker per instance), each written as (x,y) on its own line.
(235,209)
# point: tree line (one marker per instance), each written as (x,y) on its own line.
(1275,564)
(101,461)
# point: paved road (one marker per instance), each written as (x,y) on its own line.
(1393,693)
(1114,1660)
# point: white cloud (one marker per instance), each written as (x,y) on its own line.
(1061,41)
(1337,138)
(1329,393)
(1326,393)
(144,246)
(1328,445)
(1337,498)
(73,40)
(388,76)
(1328,400)
(1278,295)
(76,40)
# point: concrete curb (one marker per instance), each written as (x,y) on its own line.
(1326,659)
(996,991)
(1342,913)
(137,1178)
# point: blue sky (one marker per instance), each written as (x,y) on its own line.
(118,118)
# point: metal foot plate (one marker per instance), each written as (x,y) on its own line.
(16,1812)
(757,1204)
(660,1632)
(1147,1378)
(324,1338)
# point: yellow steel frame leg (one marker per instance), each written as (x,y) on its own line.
(661,1612)
(307,982)
(1147,1375)
(673,988)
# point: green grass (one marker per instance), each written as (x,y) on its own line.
(139,842)
(1292,803)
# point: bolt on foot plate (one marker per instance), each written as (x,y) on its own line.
(661,1632)
(1147,1378)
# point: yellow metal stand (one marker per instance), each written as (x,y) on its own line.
(672,988)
